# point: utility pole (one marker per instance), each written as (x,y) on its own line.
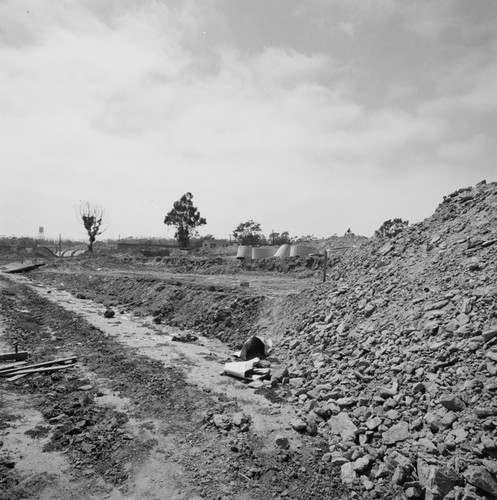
(325,265)
(60,246)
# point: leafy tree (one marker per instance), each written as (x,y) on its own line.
(304,239)
(391,228)
(186,218)
(249,233)
(279,238)
(92,217)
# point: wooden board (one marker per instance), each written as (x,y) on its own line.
(41,370)
(12,365)
(16,377)
(13,371)
(19,356)
(21,268)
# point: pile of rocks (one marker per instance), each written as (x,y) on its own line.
(395,364)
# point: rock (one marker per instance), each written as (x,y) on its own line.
(221,422)
(263,363)
(399,476)
(396,433)
(342,425)
(362,463)
(483,412)
(109,313)
(239,419)
(312,427)
(396,459)
(452,403)
(482,479)
(413,490)
(489,335)
(368,485)
(437,481)
(339,460)
(345,402)
(491,466)
(282,442)
(373,423)
(427,446)
(347,474)
(382,471)
(299,425)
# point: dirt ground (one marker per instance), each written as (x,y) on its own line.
(140,415)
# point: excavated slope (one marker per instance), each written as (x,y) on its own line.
(396,361)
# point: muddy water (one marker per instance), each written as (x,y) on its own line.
(202,361)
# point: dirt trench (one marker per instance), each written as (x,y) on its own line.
(140,416)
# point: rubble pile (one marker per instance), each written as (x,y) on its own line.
(395,365)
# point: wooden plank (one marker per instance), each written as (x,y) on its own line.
(12,365)
(72,359)
(19,356)
(16,377)
(23,268)
(41,370)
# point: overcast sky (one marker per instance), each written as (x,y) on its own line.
(307,116)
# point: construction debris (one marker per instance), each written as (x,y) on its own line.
(184,337)
(11,365)
(15,372)
(247,370)
(255,347)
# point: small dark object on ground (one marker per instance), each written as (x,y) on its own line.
(185,337)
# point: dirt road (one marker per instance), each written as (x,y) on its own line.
(140,415)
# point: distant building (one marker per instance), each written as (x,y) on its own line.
(210,243)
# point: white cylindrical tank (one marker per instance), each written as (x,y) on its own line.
(300,251)
(262,252)
(283,251)
(244,252)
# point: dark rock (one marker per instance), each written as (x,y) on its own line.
(482,479)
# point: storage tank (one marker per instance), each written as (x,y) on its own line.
(300,251)
(262,252)
(244,252)
(283,251)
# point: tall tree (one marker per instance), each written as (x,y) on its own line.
(279,238)
(92,217)
(186,218)
(248,233)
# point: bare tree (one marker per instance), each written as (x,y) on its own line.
(92,217)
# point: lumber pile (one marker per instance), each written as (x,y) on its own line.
(16,371)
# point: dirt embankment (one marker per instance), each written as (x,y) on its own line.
(217,307)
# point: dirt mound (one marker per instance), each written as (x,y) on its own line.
(396,361)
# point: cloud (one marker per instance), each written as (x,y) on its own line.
(477,148)
(122,103)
